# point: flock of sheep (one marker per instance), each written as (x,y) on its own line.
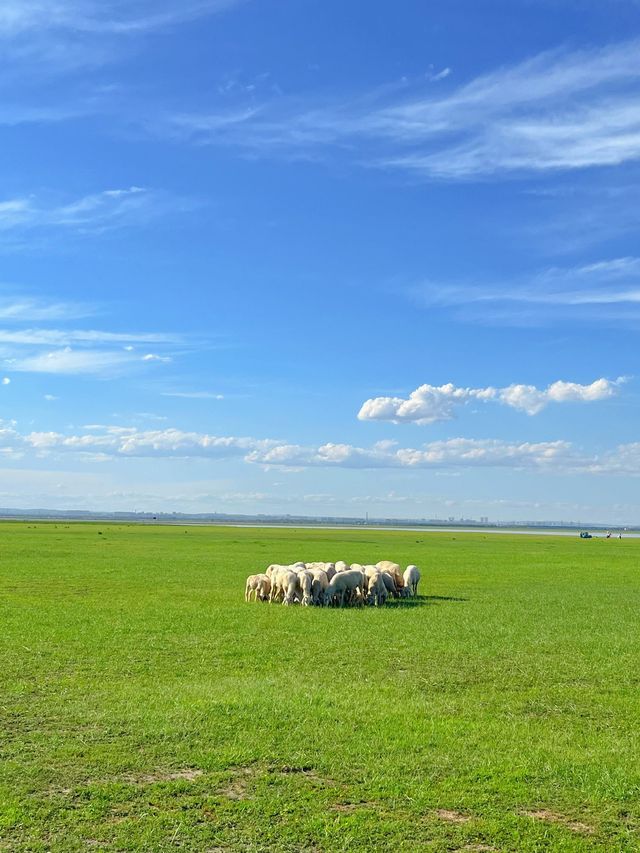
(333,584)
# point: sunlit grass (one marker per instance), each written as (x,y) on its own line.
(146,707)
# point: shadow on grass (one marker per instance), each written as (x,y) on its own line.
(421,600)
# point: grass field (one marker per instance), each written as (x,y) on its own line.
(144,706)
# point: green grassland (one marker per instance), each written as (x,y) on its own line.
(144,706)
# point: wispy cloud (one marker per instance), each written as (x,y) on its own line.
(69,361)
(431,403)
(109,16)
(65,337)
(20,309)
(194,395)
(55,349)
(44,40)
(607,290)
(559,110)
(89,214)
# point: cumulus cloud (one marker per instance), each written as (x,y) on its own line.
(457,452)
(102,443)
(431,403)
(117,441)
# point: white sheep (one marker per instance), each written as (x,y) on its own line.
(344,586)
(305,582)
(390,584)
(319,584)
(277,591)
(411,579)
(271,570)
(259,585)
(376,589)
(394,570)
(341,566)
(289,586)
(330,570)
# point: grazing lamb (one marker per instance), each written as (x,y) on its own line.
(390,584)
(394,570)
(330,569)
(411,579)
(289,586)
(377,591)
(305,581)
(277,592)
(253,585)
(341,566)
(319,584)
(343,587)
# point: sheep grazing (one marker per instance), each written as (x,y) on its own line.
(394,570)
(289,586)
(411,579)
(344,588)
(305,581)
(333,584)
(330,570)
(259,585)
(319,585)
(376,589)
(390,584)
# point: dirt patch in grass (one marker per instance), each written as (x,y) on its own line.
(307,772)
(238,786)
(554,817)
(349,808)
(187,774)
(453,817)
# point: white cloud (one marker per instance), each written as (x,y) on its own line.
(95,362)
(117,441)
(131,442)
(431,403)
(427,404)
(108,17)
(30,309)
(152,356)
(458,452)
(104,443)
(607,290)
(556,111)
(65,337)
(6,380)
(89,214)
(532,400)
(194,395)
(436,76)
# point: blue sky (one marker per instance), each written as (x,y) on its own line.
(324,258)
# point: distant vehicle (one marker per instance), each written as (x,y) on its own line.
(586,535)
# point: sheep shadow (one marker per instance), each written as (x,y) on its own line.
(421,601)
